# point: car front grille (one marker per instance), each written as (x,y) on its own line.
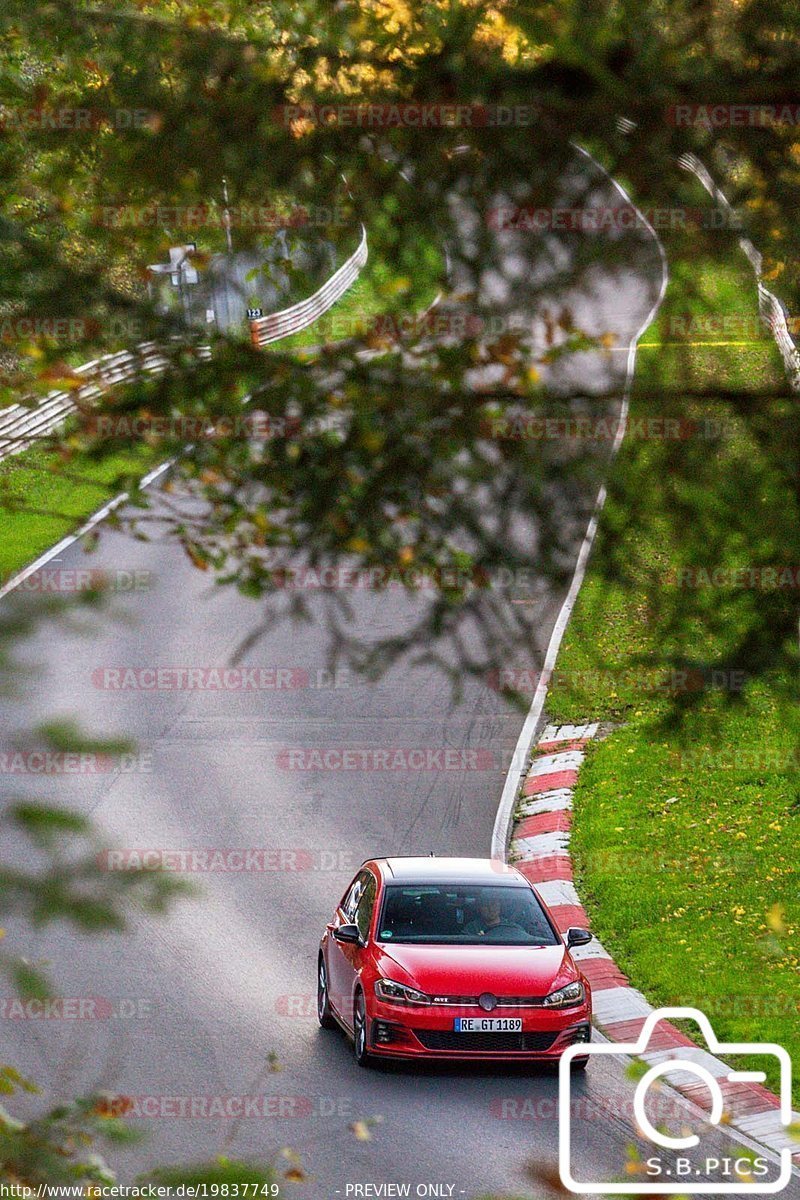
(520,1001)
(447,1039)
(502,1001)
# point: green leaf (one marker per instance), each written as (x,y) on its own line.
(45,824)
(30,983)
(220,1171)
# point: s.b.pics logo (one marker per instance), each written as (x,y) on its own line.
(686,1157)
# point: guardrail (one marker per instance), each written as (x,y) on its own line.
(21,425)
(277,325)
(769,306)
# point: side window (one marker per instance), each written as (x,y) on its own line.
(365,906)
(352,897)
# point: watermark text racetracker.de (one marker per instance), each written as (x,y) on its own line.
(226,860)
(72,581)
(646,680)
(765,577)
(537,427)
(343,578)
(733,116)
(139,1191)
(266,216)
(226,1106)
(76,1008)
(72,762)
(150,679)
(385,758)
(604,218)
(67,118)
(408,114)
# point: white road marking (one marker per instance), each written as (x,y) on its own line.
(557,891)
(694,1054)
(593,949)
(559,800)
(619,1004)
(568,733)
(543,845)
(87,527)
(508,798)
(569,761)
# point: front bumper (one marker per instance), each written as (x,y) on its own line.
(399,1031)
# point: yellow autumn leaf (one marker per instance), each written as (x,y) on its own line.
(775,271)
(196,558)
(775,919)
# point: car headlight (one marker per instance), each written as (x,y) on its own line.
(573,993)
(398,993)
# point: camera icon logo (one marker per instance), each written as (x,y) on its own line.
(686,1179)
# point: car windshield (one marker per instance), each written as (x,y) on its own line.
(464,915)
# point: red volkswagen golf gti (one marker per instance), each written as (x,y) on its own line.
(450,958)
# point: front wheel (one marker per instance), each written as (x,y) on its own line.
(324,1014)
(363,1057)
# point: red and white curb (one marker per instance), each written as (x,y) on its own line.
(540,850)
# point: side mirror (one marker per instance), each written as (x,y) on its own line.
(577,936)
(348,933)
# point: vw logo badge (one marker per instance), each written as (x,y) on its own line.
(487,1001)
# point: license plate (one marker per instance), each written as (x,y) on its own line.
(487,1024)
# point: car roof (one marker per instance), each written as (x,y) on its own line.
(430,869)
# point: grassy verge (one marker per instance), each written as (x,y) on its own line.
(42,499)
(388,283)
(687,818)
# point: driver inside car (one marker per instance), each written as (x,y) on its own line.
(491,921)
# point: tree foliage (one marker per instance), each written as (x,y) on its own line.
(381,460)
(381,451)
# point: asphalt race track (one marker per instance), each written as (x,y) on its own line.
(227,979)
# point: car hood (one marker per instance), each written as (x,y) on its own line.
(470,970)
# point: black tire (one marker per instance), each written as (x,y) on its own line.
(363,1057)
(580,1064)
(324,1014)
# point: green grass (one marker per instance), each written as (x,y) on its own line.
(707,305)
(43,498)
(687,817)
(404,289)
